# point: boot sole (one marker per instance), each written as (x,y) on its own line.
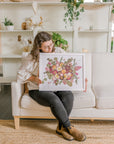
(81,140)
(63,136)
(84,138)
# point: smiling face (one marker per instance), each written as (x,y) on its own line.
(47,46)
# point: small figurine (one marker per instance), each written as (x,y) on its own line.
(32,22)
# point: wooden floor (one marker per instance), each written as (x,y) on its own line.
(5,102)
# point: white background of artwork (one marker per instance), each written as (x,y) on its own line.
(49,84)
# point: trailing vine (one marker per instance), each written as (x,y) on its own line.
(72,10)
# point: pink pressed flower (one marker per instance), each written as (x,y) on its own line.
(57,62)
(47,69)
(54,72)
(64,82)
(61,74)
(77,68)
(49,63)
(70,64)
(76,73)
(67,67)
(53,78)
(50,70)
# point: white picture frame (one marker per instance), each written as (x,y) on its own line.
(62,71)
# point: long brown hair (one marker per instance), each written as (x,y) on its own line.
(39,39)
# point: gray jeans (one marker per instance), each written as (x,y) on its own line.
(60,102)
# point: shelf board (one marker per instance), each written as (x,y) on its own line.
(10,56)
(51,3)
(93,31)
(5,31)
(30,3)
(54,3)
(7,80)
(97,3)
(55,30)
(16,3)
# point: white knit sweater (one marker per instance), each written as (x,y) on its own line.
(30,67)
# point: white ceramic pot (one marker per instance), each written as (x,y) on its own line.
(10,28)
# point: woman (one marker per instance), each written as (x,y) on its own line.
(60,102)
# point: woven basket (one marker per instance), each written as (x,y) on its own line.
(17,0)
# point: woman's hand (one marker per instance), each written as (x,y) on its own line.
(35,79)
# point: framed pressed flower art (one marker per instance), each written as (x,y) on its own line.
(61,72)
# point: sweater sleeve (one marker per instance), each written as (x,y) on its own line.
(59,50)
(25,70)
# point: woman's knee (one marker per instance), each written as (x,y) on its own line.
(68,95)
(55,101)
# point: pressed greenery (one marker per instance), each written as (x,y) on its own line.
(59,41)
(72,10)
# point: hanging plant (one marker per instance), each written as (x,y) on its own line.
(72,10)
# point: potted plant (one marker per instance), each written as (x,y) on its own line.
(107,0)
(72,10)
(8,25)
(59,41)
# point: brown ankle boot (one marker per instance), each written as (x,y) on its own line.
(64,133)
(76,133)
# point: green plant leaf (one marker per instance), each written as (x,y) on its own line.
(113,11)
(58,40)
(72,11)
(7,22)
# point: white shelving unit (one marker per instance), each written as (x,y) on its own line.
(10,53)
(92,32)
(79,36)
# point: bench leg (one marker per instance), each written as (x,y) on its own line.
(16,122)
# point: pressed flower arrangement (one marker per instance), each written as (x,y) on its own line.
(72,10)
(61,71)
